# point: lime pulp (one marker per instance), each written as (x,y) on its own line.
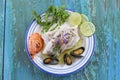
(74,18)
(87,28)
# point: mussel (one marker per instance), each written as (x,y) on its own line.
(67,59)
(77,53)
(51,61)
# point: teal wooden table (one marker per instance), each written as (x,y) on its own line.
(15,16)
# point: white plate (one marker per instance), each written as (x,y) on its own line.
(88,43)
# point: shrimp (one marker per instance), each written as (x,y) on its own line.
(36,43)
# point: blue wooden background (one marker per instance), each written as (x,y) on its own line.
(15,16)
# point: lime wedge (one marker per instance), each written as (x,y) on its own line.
(74,18)
(84,18)
(87,28)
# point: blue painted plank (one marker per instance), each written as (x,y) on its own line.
(104,65)
(108,39)
(1,35)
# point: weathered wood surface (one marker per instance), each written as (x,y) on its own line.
(105,63)
(2,8)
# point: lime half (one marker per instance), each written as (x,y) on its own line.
(74,18)
(87,28)
(84,18)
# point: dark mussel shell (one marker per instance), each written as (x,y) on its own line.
(67,59)
(78,52)
(47,60)
(51,61)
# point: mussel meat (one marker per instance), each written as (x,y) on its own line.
(78,52)
(67,59)
(51,61)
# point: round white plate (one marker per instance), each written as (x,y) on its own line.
(88,43)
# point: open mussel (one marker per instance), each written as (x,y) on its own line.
(67,59)
(51,61)
(77,53)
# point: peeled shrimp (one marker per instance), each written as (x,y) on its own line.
(35,44)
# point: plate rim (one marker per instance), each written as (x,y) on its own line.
(26,48)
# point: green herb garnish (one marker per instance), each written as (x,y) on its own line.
(56,49)
(52,15)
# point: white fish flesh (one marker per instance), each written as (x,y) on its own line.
(66,37)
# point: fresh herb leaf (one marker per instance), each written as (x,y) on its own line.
(36,16)
(52,15)
(56,50)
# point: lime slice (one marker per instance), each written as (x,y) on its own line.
(84,18)
(87,28)
(74,18)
